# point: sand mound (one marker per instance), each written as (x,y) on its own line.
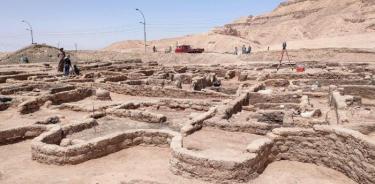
(35,53)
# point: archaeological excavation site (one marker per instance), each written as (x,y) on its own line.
(203,111)
(172,124)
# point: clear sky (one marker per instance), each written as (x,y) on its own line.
(94,24)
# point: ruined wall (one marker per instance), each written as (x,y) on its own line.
(25,76)
(13,135)
(185,104)
(255,98)
(225,112)
(344,150)
(321,75)
(137,115)
(44,148)
(154,91)
(192,164)
(33,105)
(362,91)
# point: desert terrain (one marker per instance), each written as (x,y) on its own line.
(130,117)
(309,24)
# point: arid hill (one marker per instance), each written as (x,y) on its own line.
(311,24)
(303,23)
(35,53)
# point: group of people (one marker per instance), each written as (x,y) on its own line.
(65,64)
(167,50)
(244,50)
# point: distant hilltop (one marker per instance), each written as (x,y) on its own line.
(303,23)
(34,53)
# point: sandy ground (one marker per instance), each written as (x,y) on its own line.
(219,144)
(130,165)
(288,172)
(372,135)
(12,118)
(16,167)
(117,99)
(109,125)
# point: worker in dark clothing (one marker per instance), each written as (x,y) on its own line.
(284,46)
(154,49)
(243,49)
(67,65)
(61,56)
(235,51)
(216,83)
(24,59)
(249,50)
(76,70)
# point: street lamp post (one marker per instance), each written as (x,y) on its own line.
(144,28)
(29,29)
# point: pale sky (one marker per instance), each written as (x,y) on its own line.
(94,24)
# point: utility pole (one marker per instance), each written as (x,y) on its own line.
(144,28)
(29,29)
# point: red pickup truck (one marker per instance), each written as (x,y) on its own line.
(188,49)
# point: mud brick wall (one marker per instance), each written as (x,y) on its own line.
(325,76)
(33,105)
(254,127)
(13,135)
(117,78)
(45,150)
(197,122)
(154,91)
(344,150)
(10,90)
(70,96)
(327,82)
(362,91)
(20,76)
(61,89)
(192,164)
(255,98)
(137,115)
(185,104)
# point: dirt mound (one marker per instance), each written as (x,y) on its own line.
(3,54)
(35,53)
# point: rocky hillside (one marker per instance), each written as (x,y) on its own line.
(303,23)
(307,20)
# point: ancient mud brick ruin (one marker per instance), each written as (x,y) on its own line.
(220,134)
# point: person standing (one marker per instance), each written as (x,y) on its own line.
(243,49)
(24,59)
(235,51)
(249,50)
(154,49)
(67,65)
(61,56)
